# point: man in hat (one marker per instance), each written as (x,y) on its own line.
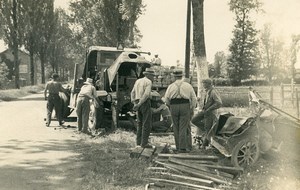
(205,119)
(181,98)
(156,60)
(86,95)
(53,99)
(140,96)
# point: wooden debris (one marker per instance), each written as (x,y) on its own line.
(196,173)
(136,152)
(233,170)
(162,134)
(148,153)
(188,156)
(184,163)
(157,168)
(145,153)
(195,179)
(183,184)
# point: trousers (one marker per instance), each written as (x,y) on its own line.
(144,123)
(83,112)
(181,116)
(54,101)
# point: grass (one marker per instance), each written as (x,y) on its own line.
(110,164)
(13,94)
(112,168)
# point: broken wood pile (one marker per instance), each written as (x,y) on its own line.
(189,171)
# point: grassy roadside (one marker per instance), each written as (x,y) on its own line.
(13,94)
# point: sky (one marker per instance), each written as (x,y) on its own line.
(163,25)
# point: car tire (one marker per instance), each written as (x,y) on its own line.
(245,153)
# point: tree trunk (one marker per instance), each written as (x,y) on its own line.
(15,45)
(199,43)
(32,68)
(42,58)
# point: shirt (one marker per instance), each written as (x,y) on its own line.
(88,90)
(163,110)
(212,100)
(181,89)
(141,90)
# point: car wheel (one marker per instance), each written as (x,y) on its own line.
(245,153)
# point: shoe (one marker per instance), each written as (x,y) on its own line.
(47,124)
(62,122)
(147,146)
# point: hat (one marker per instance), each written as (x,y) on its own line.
(88,81)
(207,81)
(177,73)
(55,76)
(149,71)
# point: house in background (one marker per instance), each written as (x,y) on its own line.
(24,67)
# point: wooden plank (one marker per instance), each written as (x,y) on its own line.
(162,134)
(147,153)
(233,170)
(202,181)
(183,163)
(196,173)
(157,168)
(189,156)
(183,184)
(200,167)
(136,152)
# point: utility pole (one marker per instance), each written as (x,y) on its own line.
(187,40)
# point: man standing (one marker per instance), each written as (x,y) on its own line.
(140,96)
(205,119)
(87,93)
(156,60)
(53,99)
(181,98)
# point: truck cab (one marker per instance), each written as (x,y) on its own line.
(114,72)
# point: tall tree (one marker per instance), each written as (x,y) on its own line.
(12,29)
(271,53)
(60,49)
(220,64)
(199,42)
(106,22)
(45,33)
(33,15)
(243,61)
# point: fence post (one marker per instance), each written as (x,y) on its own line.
(282,94)
(271,95)
(292,93)
(297,102)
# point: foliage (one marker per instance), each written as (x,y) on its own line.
(220,64)
(272,50)
(3,74)
(106,22)
(61,44)
(12,26)
(243,61)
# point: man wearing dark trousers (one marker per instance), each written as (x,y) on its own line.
(181,98)
(205,119)
(140,96)
(53,99)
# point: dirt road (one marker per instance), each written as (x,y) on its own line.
(33,156)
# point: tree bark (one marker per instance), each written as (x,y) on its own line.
(199,43)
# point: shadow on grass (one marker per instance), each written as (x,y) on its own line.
(49,164)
